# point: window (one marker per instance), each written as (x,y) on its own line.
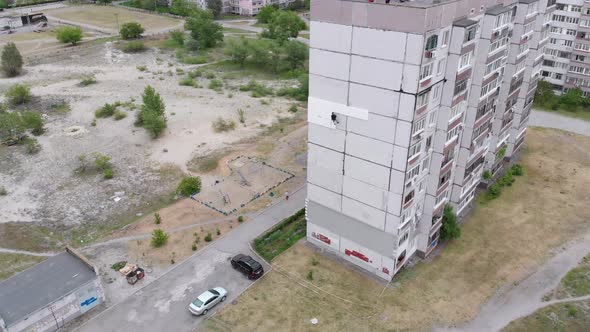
(498,44)
(453,133)
(409,197)
(532,8)
(456,110)
(565,19)
(460,87)
(440,67)
(403,238)
(422,99)
(570,32)
(470,34)
(418,126)
(489,87)
(432,118)
(445,38)
(428,144)
(443,179)
(436,92)
(493,66)
(431,42)
(465,60)
(582,47)
(580,58)
(528,28)
(502,19)
(414,150)
(426,71)
(481,129)
(412,173)
(482,110)
(520,66)
(441,198)
(585,23)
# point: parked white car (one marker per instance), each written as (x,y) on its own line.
(207,300)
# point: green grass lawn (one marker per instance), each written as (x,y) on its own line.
(235,30)
(582,115)
(573,316)
(282,236)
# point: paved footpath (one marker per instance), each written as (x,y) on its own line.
(162,305)
(550,120)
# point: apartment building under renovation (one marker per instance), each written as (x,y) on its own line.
(410,102)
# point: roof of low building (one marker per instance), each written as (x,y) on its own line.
(44,283)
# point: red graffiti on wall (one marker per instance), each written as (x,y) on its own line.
(356,254)
(321,237)
(385,270)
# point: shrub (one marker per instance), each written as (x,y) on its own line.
(69,34)
(119,115)
(450,228)
(177,36)
(61,108)
(218,232)
(194,247)
(157,218)
(310,275)
(257,90)
(118,265)
(3,191)
(209,75)
(107,173)
(88,80)
(189,186)
(105,111)
(208,237)
(314,261)
(192,44)
(240,218)
(131,30)
(133,47)
(33,121)
(196,73)
(507,179)
(154,124)
(293,108)
(187,81)
(517,169)
(141,68)
(487,175)
(194,60)
(221,125)
(102,161)
(203,29)
(241,116)
(493,191)
(32,145)
(159,238)
(18,94)
(215,85)
(12,61)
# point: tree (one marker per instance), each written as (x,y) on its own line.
(203,29)
(572,99)
(284,25)
(154,124)
(275,56)
(18,94)
(3,4)
(259,49)
(189,186)
(238,50)
(131,30)
(544,96)
(69,34)
(298,5)
(265,14)
(104,2)
(297,52)
(177,36)
(182,7)
(215,6)
(159,238)
(12,61)
(450,228)
(152,102)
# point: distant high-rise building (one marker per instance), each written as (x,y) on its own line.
(410,102)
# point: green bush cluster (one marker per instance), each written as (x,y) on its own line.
(12,61)
(18,94)
(159,238)
(300,92)
(13,125)
(256,89)
(189,186)
(152,115)
(134,46)
(267,54)
(105,111)
(507,179)
(282,236)
(283,25)
(573,100)
(69,35)
(131,30)
(450,226)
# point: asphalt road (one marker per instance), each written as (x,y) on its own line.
(162,305)
(552,120)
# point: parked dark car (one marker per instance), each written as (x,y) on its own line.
(248,266)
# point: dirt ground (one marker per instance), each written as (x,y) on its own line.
(44,189)
(109,17)
(543,209)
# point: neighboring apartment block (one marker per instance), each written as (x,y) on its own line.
(567,55)
(252,7)
(409,104)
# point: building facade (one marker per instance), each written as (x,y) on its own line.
(567,55)
(252,7)
(409,104)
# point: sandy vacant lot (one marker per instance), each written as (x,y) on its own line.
(106,17)
(45,190)
(501,243)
